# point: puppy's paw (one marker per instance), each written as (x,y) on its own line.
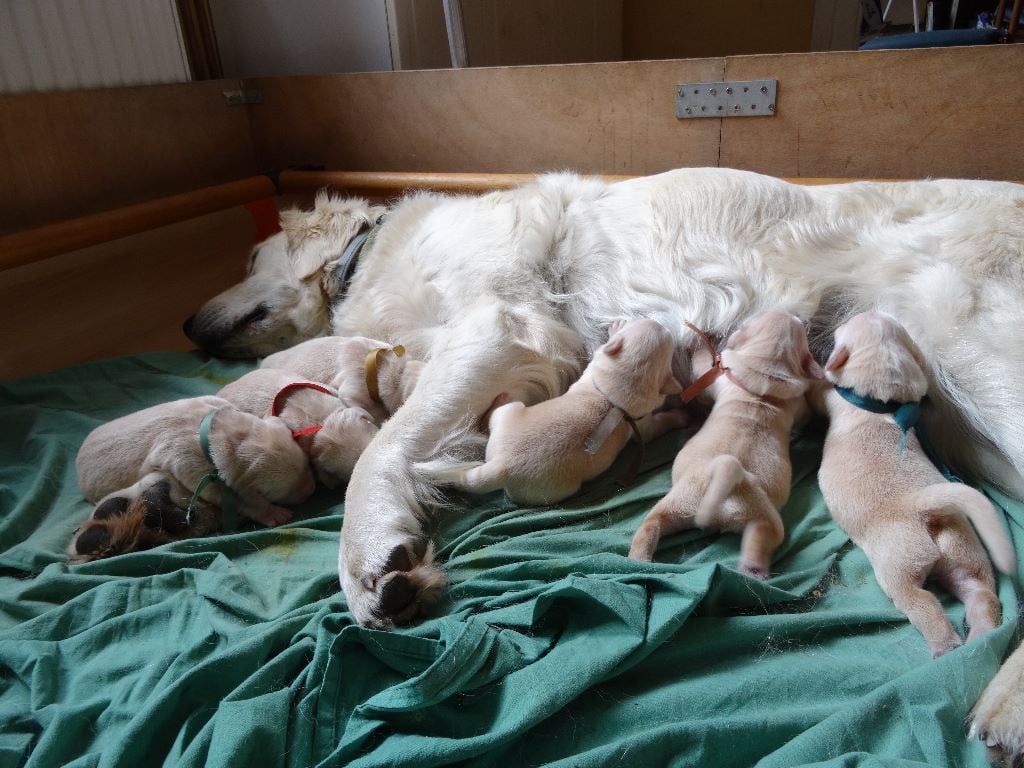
(114,530)
(400,594)
(998,718)
(759,571)
(271,515)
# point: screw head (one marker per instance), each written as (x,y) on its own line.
(764,89)
(728,90)
(771,107)
(712,91)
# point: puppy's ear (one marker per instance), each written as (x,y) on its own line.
(838,358)
(670,386)
(811,367)
(917,354)
(613,347)
(736,339)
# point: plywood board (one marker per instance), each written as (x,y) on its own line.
(899,114)
(127,296)
(72,153)
(616,118)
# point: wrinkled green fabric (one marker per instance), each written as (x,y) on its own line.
(552,647)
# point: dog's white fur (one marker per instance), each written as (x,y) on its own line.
(257,458)
(511,290)
(345,430)
(734,474)
(340,363)
(909,520)
(538,453)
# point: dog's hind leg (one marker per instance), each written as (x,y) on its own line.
(674,513)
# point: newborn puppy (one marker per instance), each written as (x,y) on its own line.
(252,460)
(734,474)
(883,490)
(543,453)
(331,433)
(375,376)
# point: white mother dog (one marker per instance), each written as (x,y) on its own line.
(510,292)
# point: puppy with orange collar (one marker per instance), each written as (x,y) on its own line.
(885,492)
(372,375)
(734,474)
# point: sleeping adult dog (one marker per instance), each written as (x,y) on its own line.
(511,291)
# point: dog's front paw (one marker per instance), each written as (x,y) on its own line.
(396,593)
(270,515)
(998,718)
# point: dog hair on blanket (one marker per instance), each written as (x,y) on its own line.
(255,457)
(340,363)
(734,474)
(891,499)
(539,454)
(345,430)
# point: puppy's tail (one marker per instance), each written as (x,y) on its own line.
(471,476)
(945,499)
(726,473)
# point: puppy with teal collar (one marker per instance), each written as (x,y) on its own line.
(894,502)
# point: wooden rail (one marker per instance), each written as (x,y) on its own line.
(20,248)
(31,245)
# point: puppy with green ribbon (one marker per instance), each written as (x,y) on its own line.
(891,497)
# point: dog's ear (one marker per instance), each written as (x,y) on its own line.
(670,386)
(838,358)
(736,339)
(614,346)
(811,367)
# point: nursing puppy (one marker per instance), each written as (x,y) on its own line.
(543,453)
(255,458)
(330,432)
(734,474)
(372,375)
(889,497)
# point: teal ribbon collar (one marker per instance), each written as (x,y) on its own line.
(906,416)
(228,500)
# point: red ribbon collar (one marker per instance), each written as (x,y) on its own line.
(718,368)
(279,398)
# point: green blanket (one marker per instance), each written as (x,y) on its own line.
(552,648)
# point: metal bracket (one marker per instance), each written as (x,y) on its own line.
(244,96)
(731,98)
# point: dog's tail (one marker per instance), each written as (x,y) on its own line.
(945,499)
(726,473)
(471,476)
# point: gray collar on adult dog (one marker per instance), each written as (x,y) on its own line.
(349,259)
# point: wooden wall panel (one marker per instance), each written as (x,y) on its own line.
(77,152)
(673,29)
(127,296)
(616,118)
(898,114)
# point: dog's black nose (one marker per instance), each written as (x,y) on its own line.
(187,327)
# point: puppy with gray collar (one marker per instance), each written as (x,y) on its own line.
(207,450)
(884,491)
(372,375)
(734,474)
(543,453)
(332,433)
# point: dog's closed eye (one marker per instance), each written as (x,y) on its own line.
(254,316)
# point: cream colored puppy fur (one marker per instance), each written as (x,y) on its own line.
(538,453)
(734,474)
(339,362)
(257,458)
(910,521)
(345,430)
